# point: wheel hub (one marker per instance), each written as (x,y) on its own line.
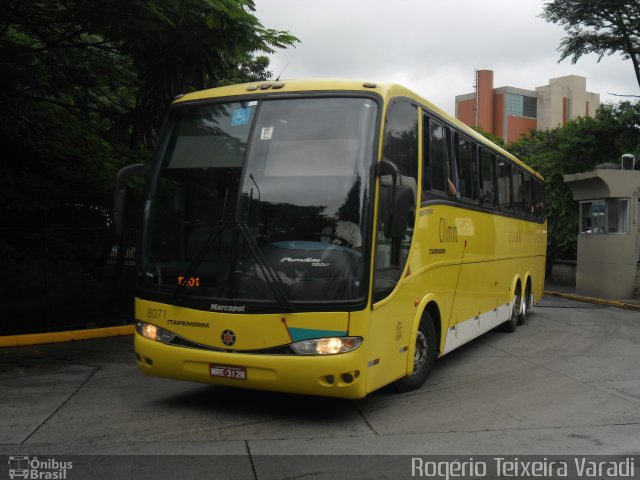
(420,355)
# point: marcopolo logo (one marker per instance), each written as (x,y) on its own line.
(228,308)
(38,469)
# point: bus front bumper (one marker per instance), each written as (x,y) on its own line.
(341,375)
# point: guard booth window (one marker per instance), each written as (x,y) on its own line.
(605,216)
(400,148)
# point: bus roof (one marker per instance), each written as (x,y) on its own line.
(385,90)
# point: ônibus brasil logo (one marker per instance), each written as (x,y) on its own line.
(35,468)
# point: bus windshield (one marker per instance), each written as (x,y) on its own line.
(262,202)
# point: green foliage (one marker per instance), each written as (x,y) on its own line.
(603,27)
(85,84)
(490,136)
(83,91)
(248,70)
(577,147)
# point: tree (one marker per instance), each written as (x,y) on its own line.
(85,83)
(490,136)
(603,27)
(83,91)
(578,146)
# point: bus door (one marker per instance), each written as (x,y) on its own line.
(393,308)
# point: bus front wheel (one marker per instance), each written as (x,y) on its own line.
(424,357)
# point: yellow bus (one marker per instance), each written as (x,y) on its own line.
(328,237)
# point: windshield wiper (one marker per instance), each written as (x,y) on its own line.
(273,280)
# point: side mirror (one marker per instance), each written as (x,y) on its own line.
(396,201)
(120,195)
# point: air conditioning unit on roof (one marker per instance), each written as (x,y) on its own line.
(628,162)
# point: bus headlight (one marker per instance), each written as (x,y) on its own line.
(154,333)
(326,346)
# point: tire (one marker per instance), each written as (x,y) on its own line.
(527,301)
(514,319)
(424,358)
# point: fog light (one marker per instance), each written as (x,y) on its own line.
(326,346)
(347,377)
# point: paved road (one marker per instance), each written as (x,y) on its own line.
(567,382)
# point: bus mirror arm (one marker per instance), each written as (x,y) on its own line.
(387,167)
(119,197)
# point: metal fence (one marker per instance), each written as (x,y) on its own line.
(61,267)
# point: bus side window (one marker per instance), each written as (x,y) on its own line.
(451,167)
(487,183)
(504,184)
(434,155)
(468,174)
(539,196)
(517,192)
(528,195)
(400,141)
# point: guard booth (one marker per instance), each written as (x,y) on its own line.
(609,236)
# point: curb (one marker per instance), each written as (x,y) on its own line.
(594,300)
(75,335)
(69,336)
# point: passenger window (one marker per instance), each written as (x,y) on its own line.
(439,171)
(528,195)
(517,191)
(504,184)
(539,202)
(487,189)
(435,156)
(400,141)
(468,175)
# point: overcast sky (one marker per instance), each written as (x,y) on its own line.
(433,46)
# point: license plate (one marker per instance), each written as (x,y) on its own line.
(228,371)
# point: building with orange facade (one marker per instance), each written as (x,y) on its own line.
(509,112)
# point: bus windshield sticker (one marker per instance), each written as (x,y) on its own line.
(240,116)
(267,133)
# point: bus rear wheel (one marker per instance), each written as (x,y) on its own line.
(424,357)
(510,325)
(527,302)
